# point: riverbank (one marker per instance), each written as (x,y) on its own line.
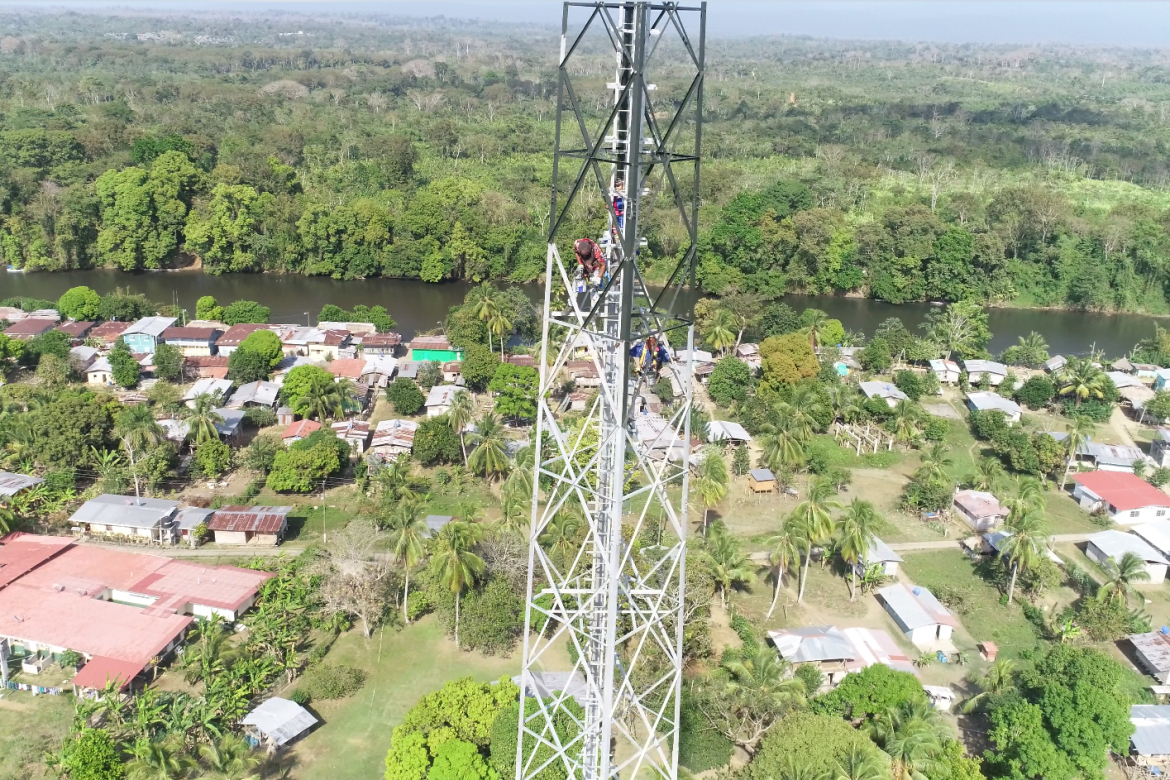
(419,306)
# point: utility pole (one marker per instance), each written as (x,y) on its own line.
(618,598)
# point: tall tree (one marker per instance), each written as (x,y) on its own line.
(460,416)
(407,538)
(488,456)
(711,480)
(139,431)
(454,562)
(1025,547)
(856,530)
(813,517)
(783,554)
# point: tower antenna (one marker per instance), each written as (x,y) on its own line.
(611,482)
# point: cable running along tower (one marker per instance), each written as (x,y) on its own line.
(614,478)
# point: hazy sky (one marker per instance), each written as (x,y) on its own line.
(1114,23)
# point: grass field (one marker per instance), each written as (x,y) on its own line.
(402,667)
(983,617)
(31,725)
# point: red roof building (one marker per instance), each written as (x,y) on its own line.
(299,430)
(76,330)
(381,340)
(110,331)
(249,525)
(348,368)
(1125,497)
(30,327)
(122,611)
(206,366)
(527,361)
(237,333)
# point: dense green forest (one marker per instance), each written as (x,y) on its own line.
(353,147)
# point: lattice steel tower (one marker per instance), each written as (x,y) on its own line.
(613,595)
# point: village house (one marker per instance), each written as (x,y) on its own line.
(222,387)
(347,368)
(259,394)
(29,327)
(45,314)
(992,542)
(124,612)
(920,616)
(354,432)
(146,334)
(192,342)
(380,344)
(108,332)
(724,430)
(947,371)
(100,373)
(1113,545)
(880,554)
(1160,448)
(1153,653)
(82,357)
(525,361)
(393,438)
(379,370)
(439,399)
(299,430)
(887,391)
(838,652)
(231,338)
(979,509)
(578,400)
(353,328)
(991,402)
(977,369)
(206,367)
(12,485)
(76,330)
(1150,740)
(453,372)
(1125,497)
(11,313)
(328,345)
(187,519)
(583,373)
(437,348)
(1109,457)
(143,518)
(264,526)
(750,354)
(762,481)
(1156,534)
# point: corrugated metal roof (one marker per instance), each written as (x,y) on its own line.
(257,519)
(761,475)
(986,402)
(879,551)
(1116,544)
(11,484)
(151,326)
(1155,646)
(916,608)
(436,522)
(718,430)
(1151,736)
(126,511)
(280,720)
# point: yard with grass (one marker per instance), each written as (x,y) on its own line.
(402,666)
(31,725)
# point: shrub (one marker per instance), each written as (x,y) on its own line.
(988,425)
(300,696)
(70,658)
(936,428)
(503,739)
(910,383)
(260,416)
(213,458)
(324,682)
(700,747)
(1036,392)
(876,356)
(490,618)
(814,742)
(245,312)
(435,442)
(872,690)
(1093,409)
(729,382)
(168,362)
(812,677)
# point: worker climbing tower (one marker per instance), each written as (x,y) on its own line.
(603,648)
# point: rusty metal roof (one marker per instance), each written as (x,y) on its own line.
(258,519)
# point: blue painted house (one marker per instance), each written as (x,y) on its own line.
(146,334)
(1162,378)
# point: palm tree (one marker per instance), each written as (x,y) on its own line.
(722,330)
(856,530)
(814,519)
(231,757)
(460,415)
(860,764)
(907,415)
(513,511)
(783,554)
(209,653)
(488,456)
(729,566)
(562,534)
(815,329)
(202,418)
(138,430)
(407,538)
(159,761)
(394,481)
(806,405)
(935,461)
(782,444)
(711,480)
(1121,577)
(1034,348)
(913,736)
(325,399)
(763,674)
(485,305)
(844,402)
(1029,495)
(1082,380)
(1023,549)
(988,473)
(1079,432)
(454,563)
(998,679)
(500,324)
(520,476)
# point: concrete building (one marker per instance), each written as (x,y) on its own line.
(393,438)
(991,402)
(257,525)
(1126,498)
(82,357)
(880,554)
(439,399)
(838,652)
(1153,653)
(1109,457)
(192,342)
(146,334)
(144,518)
(1151,736)
(1160,448)
(100,373)
(947,371)
(979,509)
(328,345)
(884,390)
(1161,378)
(920,616)
(977,369)
(187,519)
(1156,534)
(1112,545)
(347,368)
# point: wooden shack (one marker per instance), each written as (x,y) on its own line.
(761,481)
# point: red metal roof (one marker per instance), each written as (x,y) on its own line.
(381,340)
(189,334)
(351,368)
(29,327)
(20,553)
(237,333)
(110,331)
(335,338)
(430,342)
(76,329)
(101,670)
(1123,490)
(301,428)
(206,361)
(257,519)
(522,360)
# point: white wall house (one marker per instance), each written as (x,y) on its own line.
(977,369)
(1112,545)
(922,618)
(1126,498)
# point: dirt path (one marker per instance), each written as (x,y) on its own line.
(952,544)
(1119,425)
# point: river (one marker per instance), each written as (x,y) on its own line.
(419,306)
